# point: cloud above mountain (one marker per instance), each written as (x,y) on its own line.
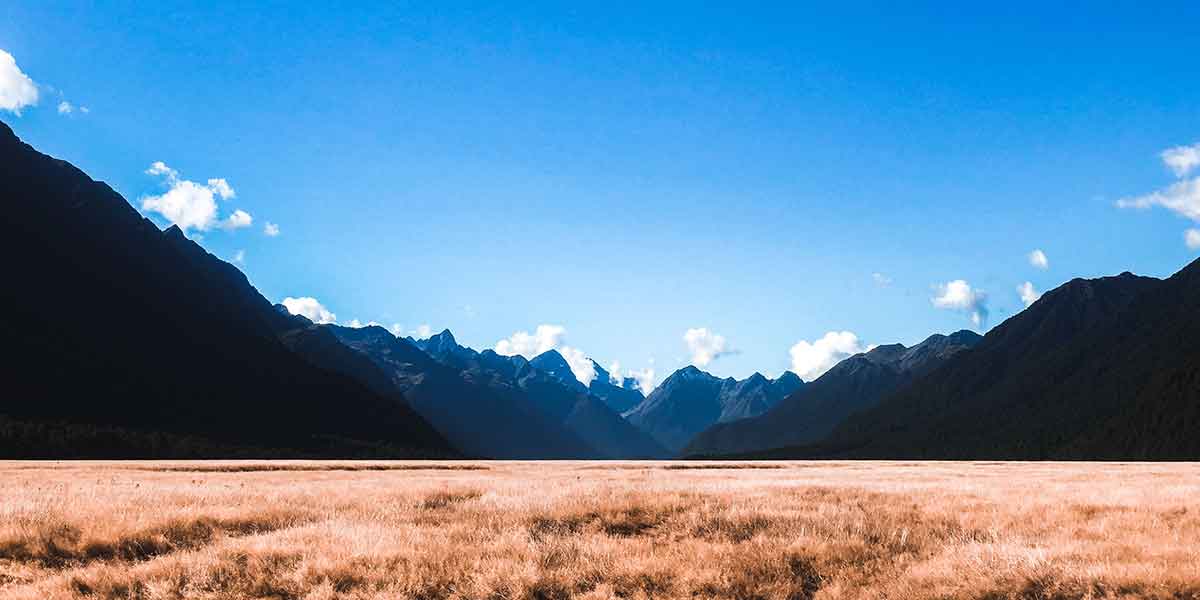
(1191,238)
(958,295)
(1028,293)
(192,205)
(1181,197)
(544,338)
(309,308)
(1038,260)
(643,377)
(17,90)
(810,360)
(706,346)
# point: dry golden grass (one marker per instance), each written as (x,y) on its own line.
(599,530)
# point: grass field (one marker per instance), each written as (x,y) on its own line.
(599,530)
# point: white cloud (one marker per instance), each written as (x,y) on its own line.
(1182,159)
(1181,197)
(644,377)
(581,366)
(159,167)
(881,280)
(271,229)
(1038,259)
(706,346)
(1191,237)
(240,257)
(310,308)
(17,90)
(543,339)
(85,110)
(65,108)
(221,188)
(238,219)
(959,295)
(191,205)
(614,373)
(420,332)
(810,360)
(1029,295)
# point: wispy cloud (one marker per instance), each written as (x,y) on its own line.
(1181,197)
(1191,238)
(1028,293)
(643,377)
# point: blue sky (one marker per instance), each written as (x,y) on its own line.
(631,173)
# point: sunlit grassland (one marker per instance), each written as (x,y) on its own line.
(598,530)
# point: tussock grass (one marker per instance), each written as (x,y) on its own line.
(580,530)
(241,468)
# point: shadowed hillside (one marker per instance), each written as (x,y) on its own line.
(140,334)
(1096,369)
(857,383)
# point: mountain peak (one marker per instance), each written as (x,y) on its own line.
(788,377)
(550,356)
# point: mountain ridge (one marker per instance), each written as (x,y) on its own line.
(175,342)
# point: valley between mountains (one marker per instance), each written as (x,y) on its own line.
(1105,368)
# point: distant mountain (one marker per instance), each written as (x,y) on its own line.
(482,412)
(621,398)
(1103,368)
(126,341)
(548,385)
(553,364)
(854,384)
(691,400)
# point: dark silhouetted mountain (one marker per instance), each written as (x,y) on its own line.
(135,341)
(482,412)
(620,398)
(549,386)
(1101,369)
(854,384)
(690,400)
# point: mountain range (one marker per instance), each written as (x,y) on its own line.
(691,400)
(129,341)
(1103,368)
(812,411)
